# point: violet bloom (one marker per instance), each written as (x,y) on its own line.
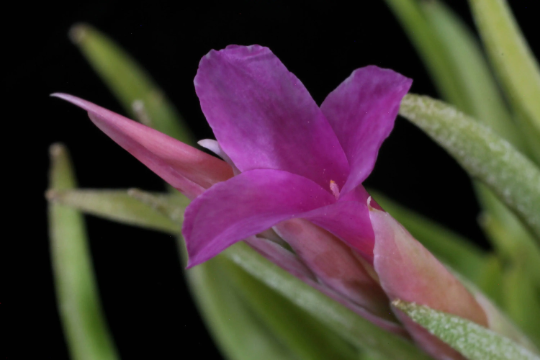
(296,159)
(298,170)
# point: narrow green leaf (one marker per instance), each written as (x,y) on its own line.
(513,61)
(171,205)
(304,336)
(481,97)
(472,340)
(129,82)
(514,243)
(483,154)
(490,279)
(522,300)
(446,245)
(344,322)
(85,328)
(231,321)
(118,205)
(429,47)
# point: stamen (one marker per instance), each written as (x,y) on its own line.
(334,189)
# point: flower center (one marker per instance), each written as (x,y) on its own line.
(334,189)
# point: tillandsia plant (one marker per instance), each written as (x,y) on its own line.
(322,268)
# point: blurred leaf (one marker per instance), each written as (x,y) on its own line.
(303,335)
(350,326)
(522,300)
(483,154)
(85,328)
(480,96)
(473,341)
(129,82)
(513,61)
(490,279)
(118,205)
(429,46)
(233,325)
(454,250)
(515,244)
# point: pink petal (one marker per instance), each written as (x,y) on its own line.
(362,111)
(264,118)
(335,264)
(409,272)
(189,170)
(246,205)
(291,264)
(348,219)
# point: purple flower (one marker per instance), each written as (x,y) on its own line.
(296,159)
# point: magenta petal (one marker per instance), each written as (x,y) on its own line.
(362,111)
(244,206)
(189,170)
(348,219)
(264,118)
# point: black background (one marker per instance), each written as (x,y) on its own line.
(142,289)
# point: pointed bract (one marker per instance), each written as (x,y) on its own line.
(407,271)
(189,170)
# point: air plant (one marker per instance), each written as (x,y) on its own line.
(328,269)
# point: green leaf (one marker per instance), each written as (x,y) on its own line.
(513,242)
(484,155)
(129,82)
(446,245)
(305,336)
(351,327)
(85,328)
(172,205)
(490,279)
(120,206)
(522,300)
(513,61)
(472,340)
(479,92)
(231,321)
(429,47)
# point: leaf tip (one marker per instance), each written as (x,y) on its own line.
(78,32)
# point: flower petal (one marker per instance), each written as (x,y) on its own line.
(264,118)
(348,219)
(362,111)
(244,206)
(407,271)
(189,170)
